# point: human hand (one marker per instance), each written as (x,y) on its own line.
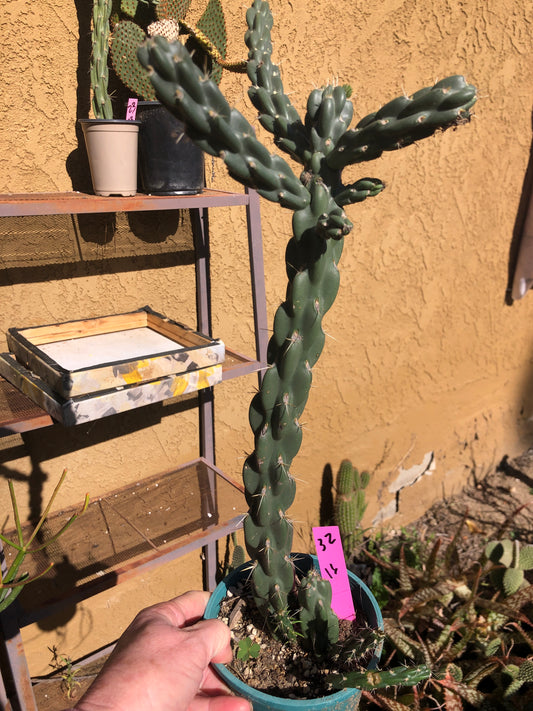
(162,663)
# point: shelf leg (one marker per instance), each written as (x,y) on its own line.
(15,671)
(200,228)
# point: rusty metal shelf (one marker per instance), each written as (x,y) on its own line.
(18,413)
(154,520)
(126,530)
(16,204)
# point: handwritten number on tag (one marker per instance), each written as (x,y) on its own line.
(330,541)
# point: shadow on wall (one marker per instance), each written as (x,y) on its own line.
(51,247)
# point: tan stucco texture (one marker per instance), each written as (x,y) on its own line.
(424,355)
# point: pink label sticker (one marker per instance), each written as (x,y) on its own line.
(333,568)
(131,111)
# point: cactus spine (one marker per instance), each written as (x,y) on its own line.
(101,103)
(323,145)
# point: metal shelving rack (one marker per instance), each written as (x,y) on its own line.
(210,513)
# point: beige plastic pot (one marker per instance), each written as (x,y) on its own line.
(112,150)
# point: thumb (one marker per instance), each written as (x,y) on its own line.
(216,636)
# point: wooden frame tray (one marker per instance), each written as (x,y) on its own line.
(88,356)
(94,406)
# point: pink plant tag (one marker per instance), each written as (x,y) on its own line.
(333,568)
(131,110)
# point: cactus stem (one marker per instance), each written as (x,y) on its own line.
(323,146)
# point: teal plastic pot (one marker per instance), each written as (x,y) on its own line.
(345,700)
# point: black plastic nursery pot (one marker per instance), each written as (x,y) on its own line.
(169,162)
(345,700)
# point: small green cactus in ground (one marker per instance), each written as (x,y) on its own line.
(511,560)
(166,18)
(350,503)
(101,102)
(324,145)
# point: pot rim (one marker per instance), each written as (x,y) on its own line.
(135,122)
(320,702)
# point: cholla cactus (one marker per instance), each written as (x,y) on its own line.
(318,627)
(324,145)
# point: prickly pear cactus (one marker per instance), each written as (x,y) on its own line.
(324,145)
(166,18)
(101,103)
(511,560)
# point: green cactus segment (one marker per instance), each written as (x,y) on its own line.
(405,120)
(275,411)
(215,127)
(358,191)
(329,114)
(345,478)
(511,560)
(350,503)
(276,112)
(211,34)
(101,103)
(370,680)
(172,9)
(319,625)
(126,40)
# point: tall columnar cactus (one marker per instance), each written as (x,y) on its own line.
(350,503)
(101,102)
(324,145)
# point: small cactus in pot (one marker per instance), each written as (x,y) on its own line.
(323,144)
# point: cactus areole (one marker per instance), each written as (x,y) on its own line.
(323,144)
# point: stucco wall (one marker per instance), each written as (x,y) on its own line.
(424,355)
